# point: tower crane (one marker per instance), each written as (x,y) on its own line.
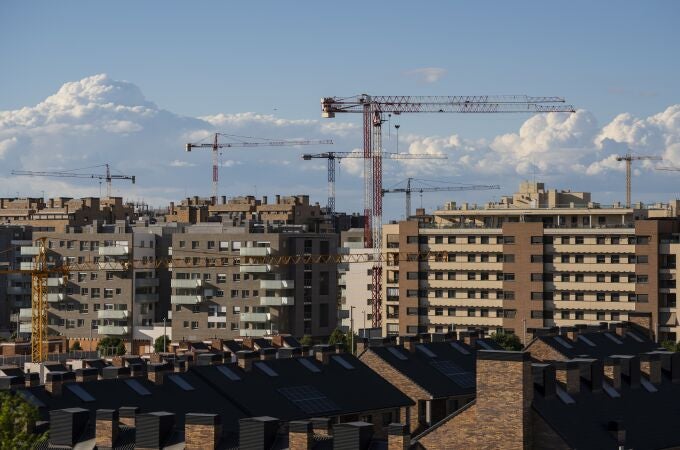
(216,145)
(629,158)
(408,189)
(73,174)
(332,156)
(372,109)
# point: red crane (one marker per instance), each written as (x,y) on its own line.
(373,107)
(215,146)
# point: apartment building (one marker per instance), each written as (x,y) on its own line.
(355,282)
(110,290)
(58,214)
(538,258)
(219,290)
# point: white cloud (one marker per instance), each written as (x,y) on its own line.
(178,163)
(428,74)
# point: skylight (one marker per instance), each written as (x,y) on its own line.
(421,348)
(181,382)
(460,348)
(484,345)
(266,369)
(227,372)
(309,365)
(340,360)
(397,353)
(137,387)
(634,336)
(562,342)
(613,338)
(587,341)
(80,392)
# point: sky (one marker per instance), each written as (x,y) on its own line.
(129,83)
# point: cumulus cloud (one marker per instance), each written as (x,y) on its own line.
(98,120)
(427,74)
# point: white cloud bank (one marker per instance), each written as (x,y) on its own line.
(427,74)
(98,120)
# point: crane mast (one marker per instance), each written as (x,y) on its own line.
(629,158)
(216,146)
(332,156)
(372,109)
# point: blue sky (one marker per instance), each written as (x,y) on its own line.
(197,59)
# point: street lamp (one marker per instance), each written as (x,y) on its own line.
(351,327)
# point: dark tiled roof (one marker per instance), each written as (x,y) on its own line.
(351,390)
(603,344)
(114,393)
(232,346)
(422,369)
(290,341)
(650,419)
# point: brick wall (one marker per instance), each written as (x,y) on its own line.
(543,352)
(459,431)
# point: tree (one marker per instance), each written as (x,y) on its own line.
(508,341)
(338,337)
(17,418)
(306,340)
(111,346)
(160,344)
(76,346)
(670,346)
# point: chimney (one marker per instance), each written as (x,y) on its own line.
(244,359)
(362,344)
(300,435)
(650,366)
(202,431)
(572,333)
(267,354)
(612,372)
(67,425)
(179,366)
(437,337)
(256,433)
(127,415)
(617,430)
(118,361)
(409,342)
(156,372)
(425,338)
(630,369)
(137,370)
(339,348)
(278,199)
(264,199)
(592,371)
(154,429)
(208,359)
(106,428)
(289,352)
(322,353)
(544,379)
(621,328)
(12,383)
(469,337)
(670,363)
(352,436)
(569,374)
(505,378)
(54,382)
(322,426)
(32,379)
(398,437)
(224,199)
(87,374)
(213,200)
(115,372)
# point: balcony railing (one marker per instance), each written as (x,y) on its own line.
(114,251)
(254,317)
(255,268)
(254,333)
(277,301)
(146,282)
(53,298)
(55,281)
(277,284)
(255,251)
(112,330)
(146,298)
(186,299)
(29,251)
(189,284)
(112,314)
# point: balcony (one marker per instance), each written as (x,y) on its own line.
(114,250)
(112,330)
(53,298)
(590,286)
(30,251)
(277,284)
(277,301)
(146,298)
(343,314)
(445,302)
(254,333)
(27,266)
(255,317)
(594,306)
(25,314)
(21,242)
(112,314)
(188,284)
(255,268)
(55,281)
(18,290)
(255,251)
(463,320)
(186,299)
(112,266)
(146,282)
(25,328)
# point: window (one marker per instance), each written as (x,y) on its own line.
(578,240)
(565,240)
(600,240)
(580,296)
(600,296)
(452,240)
(614,278)
(564,315)
(536,239)
(439,239)
(439,311)
(600,259)
(484,239)
(95,293)
(615,316)
(600,278)
(615,297)
(600,315)
(614,259)
(536,314)
(536,258)
(323,314)
(537,295)
(471,239)
(471,312)
(471,276)
(643,279)
(536,277)
(508,258)
(615,240)
(508,295)
(411,239)
(564,296)
(564,277)
(564,259)
(578,315)
(579,278)
(84,291)
(578,259)
(508,239)
(509,277)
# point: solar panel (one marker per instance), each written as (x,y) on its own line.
(266,369)
(612,338)
(564,396)
(397,353)
(425,350)
(137,387)
(484,345)
(562,342)
(80,392)
(309,365)
(458,375)
(460,348)
(587,341)
(308,399)
(342,362)
(181,382)
(227,372)
(634,336)
(30,398)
